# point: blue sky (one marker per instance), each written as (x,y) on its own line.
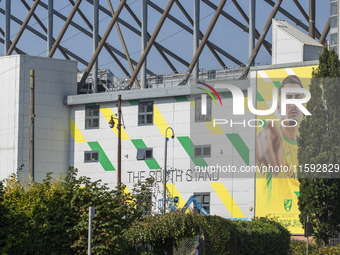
(225,34)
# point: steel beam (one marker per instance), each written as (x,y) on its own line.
(101,43)
(123,43)
(188,29)
(161,49)
(22,28)
(95,44)
(251,23)
(203,42)
(7,25)
(266,44)
(297,21)
(63,30)
(211,48)
(325,31)
(150,43)
(261,39)
(108,48)
(37,33)
(196,33)
(312,18)
(3,42)
(50,39)
(45,29)
(144,41)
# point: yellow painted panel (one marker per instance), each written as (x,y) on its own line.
(107,113)
(227,200)
(171,188)
(160,122)
(75,132)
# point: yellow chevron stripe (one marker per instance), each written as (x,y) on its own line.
(227,200)
(160,122)
(107,113)
(175,193)
(75,132)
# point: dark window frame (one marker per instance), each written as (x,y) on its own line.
(91,156)
(144,112)
(202,147)
(92,117)
(142,154)
(198,110)
(200,197)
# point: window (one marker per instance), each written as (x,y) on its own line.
(159,79)
(204,199)
(145,113)
(199,117)
(90,156)
(92,117)
(202,151)
(334,8)
(334,39)
(144,154)
(212,74)
(334,21)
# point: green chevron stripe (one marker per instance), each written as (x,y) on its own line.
(151,163)
(181,98)
(189,148)
(297,193)
(134,102)
(240,146)
(259,97)
(103,159)
(277,84)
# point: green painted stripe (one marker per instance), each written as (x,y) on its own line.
(226,94)
(240,146)
(189,148)
(103,159)
(277,84)
(206,91)
(151,163)
(259,97)
(297,193)
(269,179)
(181,98)
(134,102)
(92,104)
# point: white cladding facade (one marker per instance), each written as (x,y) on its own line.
(54,79)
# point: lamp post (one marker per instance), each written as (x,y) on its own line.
(119,127)
(165,158)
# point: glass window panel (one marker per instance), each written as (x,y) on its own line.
(334,21)
(94,156)
(149,119)
(95,123)
(334,8)
(198,152)
(148,154)
(141,119)
(149,107)
(141,108)
(87,156)
(334,39)
(206,199)
(198,197)
(140,154)
(206,151)
(87,123)
(88,111)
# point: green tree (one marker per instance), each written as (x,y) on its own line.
(319,143)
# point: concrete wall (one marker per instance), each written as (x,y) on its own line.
(54,79)
(229,196)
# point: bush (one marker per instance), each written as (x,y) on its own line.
(158,234)
(263,236)
(221,236)
(299,247)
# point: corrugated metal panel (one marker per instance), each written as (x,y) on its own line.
(296,33)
